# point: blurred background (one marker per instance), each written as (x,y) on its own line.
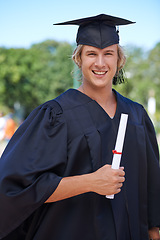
(35,56)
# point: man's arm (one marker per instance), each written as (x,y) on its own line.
(104,181)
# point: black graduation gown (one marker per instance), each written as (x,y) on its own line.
(69,136)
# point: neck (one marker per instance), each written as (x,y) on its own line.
(100,95)
(105,97)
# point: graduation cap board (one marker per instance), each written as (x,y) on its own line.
(97,31)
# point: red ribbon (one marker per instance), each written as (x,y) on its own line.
(115,152)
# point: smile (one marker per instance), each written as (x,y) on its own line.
(99,72)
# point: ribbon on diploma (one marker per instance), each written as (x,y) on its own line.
(115,152)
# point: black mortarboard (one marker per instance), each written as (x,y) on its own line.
(97,31)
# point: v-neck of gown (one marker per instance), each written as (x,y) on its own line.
(86,97)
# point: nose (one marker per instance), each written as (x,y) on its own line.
(100,63)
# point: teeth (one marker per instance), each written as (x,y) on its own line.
(99,73)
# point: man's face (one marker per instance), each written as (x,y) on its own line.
(99,65)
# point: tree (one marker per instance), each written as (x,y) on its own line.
(143,77)
(32,76)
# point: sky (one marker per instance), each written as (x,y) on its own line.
(23,23)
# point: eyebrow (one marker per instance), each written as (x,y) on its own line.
(109,50)
(89,51)
(92,50)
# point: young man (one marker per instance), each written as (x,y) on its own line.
(56,170)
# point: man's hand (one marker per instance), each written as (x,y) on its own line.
(108,181)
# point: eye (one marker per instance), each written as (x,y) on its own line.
(108,54)
(91,54)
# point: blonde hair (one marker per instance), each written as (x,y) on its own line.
(76,57)
(118,78)
(121,58)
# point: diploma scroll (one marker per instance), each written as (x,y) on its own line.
(117,153)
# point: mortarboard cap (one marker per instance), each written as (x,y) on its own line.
(97,31)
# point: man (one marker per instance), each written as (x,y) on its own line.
(56,170)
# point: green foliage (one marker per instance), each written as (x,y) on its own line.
(32,76)
(143,77)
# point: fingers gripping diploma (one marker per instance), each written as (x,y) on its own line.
(108,181)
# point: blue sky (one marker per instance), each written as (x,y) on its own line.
(23,23)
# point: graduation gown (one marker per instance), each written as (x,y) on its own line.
(72,135)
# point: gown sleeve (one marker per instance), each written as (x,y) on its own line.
(32,165)
(153,174)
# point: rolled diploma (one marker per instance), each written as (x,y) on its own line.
(119,144)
